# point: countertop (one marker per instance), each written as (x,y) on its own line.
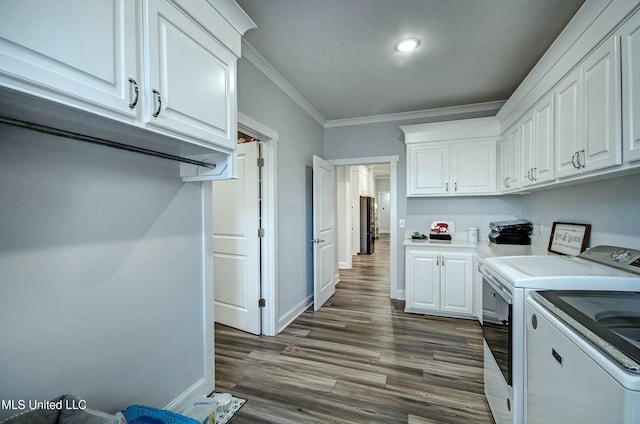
(484,248)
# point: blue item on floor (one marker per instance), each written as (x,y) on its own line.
(140,414)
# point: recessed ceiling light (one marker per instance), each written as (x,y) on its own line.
(407,45)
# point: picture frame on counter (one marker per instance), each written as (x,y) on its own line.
(569,238)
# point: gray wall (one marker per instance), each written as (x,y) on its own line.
(100,274)
(300,139)
(611,207)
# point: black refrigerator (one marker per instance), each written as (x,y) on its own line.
(367,225)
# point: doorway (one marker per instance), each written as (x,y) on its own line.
(245,237)
(346,193)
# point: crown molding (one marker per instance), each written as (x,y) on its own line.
(493,107)
(252,55)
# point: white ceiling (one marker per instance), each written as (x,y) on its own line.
(339,54)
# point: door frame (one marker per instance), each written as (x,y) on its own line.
(394,293)
(269,265)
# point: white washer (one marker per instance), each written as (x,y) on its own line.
(578,369)
(507,281)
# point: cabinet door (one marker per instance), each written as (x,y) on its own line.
(568,122)
(457,283)
(422,274)
(82,52)
(631,88)
(527,140)
(474,167)
(427,169)
(192,78)
(544,140)
(514,157)
(601,98)
(505,164)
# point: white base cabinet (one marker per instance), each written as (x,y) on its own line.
(438,282)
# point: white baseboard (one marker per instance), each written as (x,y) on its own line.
(399,295)
(294,313)
(196,391)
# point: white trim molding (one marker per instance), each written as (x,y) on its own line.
(446,112)
(394,293)
(294,313)
(269,257)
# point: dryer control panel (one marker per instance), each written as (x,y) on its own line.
(623,258)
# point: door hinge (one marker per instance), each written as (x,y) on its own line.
(260,162)
(260,232)
(261,303)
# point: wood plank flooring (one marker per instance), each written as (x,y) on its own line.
(359,359)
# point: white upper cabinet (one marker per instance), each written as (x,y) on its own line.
(568,123)
(631,88)
(167,67)
(452,158)
(473,167)
(428,169)
(588,114)
(510,160)
(190,89)
(81,53)
(536,140)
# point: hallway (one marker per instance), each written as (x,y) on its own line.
(359,359)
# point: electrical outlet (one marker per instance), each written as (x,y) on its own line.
(402,223)
(540,229)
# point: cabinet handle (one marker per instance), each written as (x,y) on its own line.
(534,173)
(446,187)
(438,260)
(584,163)
(455,186)
(507,182)
(136,93)
(573,161)
(158,101)
(529,174)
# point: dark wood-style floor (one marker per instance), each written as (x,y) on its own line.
(359,359)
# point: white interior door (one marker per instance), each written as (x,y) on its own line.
(384,208)
(325,265)
(236,250)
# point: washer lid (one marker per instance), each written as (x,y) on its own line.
(561,273)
